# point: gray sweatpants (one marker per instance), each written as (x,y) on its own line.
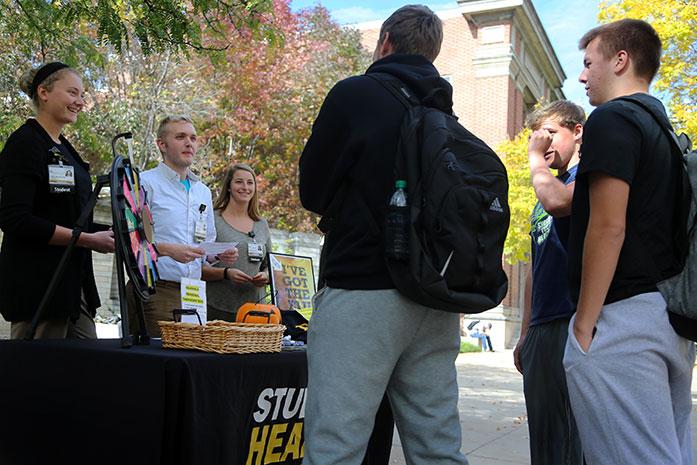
(630,393)
(362,343)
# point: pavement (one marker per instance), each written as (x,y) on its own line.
(492,411)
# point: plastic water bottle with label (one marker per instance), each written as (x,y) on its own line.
(397,224)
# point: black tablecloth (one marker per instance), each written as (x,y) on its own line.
(92,402)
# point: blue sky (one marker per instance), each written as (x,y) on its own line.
(564,21)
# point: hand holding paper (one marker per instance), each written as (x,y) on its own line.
(217,248)
(230,256)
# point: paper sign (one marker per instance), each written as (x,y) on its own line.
(193,293)
(292,282)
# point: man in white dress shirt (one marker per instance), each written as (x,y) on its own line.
(182,210)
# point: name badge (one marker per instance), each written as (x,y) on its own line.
(61,179)
(200,231)
(255,252)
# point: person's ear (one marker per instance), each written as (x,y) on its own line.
(386,47)
(621,61)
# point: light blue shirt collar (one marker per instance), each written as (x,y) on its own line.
(169,173)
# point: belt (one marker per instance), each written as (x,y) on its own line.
(167,284)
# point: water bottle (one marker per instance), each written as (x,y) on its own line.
(397,224)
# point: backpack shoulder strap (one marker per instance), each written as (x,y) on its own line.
(682,144)
(397,88)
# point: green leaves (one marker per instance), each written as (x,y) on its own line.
(252,74)
(521,196)
(156,25)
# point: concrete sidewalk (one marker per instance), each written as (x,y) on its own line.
(492,411)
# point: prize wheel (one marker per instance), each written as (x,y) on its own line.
(133,227)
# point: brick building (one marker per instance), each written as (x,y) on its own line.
(500,63)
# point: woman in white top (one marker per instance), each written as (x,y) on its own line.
(237,219)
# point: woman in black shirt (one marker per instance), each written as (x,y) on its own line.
(44,186)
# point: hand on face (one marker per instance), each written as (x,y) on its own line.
(540,142)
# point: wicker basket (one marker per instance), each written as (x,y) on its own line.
(222,337)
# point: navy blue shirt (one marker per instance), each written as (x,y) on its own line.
(550,285)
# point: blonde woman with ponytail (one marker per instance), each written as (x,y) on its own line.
(45,185)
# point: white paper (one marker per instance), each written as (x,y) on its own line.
(215,248)
(193,297)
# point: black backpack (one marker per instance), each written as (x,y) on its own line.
(457,193)
(680,291)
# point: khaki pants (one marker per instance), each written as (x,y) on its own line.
(58,328)
(159,307)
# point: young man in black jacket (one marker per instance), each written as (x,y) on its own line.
(366,338)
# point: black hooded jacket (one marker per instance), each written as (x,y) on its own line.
(351,151)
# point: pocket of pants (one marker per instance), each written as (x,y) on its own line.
(316,302)
(573,354)
(574,341)
(576,344)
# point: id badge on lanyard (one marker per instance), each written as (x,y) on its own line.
(200,227)
(255,251)
(61,176)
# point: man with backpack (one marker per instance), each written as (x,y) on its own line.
(555,142)
(627,359)
(365,337)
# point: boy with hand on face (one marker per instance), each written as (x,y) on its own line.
(554,143)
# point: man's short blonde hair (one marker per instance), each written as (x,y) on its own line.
(162,127)
(564,112)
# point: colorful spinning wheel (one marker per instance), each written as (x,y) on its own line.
(133,227)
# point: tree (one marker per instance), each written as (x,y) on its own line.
(676,24)
(155,25)
(127,88)
(132,93)
(521,196)
(253,100)
(269,97)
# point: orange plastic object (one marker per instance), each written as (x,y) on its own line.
(258,313)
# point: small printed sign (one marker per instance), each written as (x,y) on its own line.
(193,293)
